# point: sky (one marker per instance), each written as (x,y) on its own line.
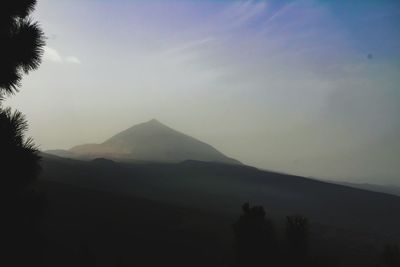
(303,86)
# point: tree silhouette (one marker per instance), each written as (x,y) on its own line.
(86,257)
(391,256)
(18,155)
(256,243)
(297,231)
(21,49)
(22,43)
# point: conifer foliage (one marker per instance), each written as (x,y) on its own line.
(22,42)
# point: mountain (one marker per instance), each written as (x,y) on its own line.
(151,141)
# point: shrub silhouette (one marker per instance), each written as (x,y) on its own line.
(256,242)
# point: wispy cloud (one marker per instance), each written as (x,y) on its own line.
(190,45)
(52,55)
(73,60)
(231,20)
(242,12)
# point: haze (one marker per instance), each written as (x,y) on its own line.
(303,87)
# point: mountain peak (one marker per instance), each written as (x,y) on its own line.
(153,121)
(148,127)
(153,141)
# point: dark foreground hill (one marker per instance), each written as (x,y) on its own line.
(224,188)
(107,229)
(149,141)
(183,212)
(84,227)
(388,189)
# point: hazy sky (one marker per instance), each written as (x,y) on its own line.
(306,87)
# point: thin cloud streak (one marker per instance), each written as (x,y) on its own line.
(52,55)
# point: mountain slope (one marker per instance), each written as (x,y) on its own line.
(150,141)
(185,211)
(224,188)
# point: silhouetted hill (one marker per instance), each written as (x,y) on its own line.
(61,153)
(130,231)
(187,209)
(103,161)
(150,141)
(387,189)
(223,188)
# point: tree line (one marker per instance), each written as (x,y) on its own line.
(257,243)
